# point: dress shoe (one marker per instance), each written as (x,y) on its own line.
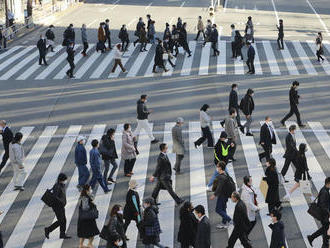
(282,122)
(65,237)
(242,129)
(249,134)
(310,240)
(46,233)
(302,125)
(154,141)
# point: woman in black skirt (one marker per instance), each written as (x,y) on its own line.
(87,229)
(301,170)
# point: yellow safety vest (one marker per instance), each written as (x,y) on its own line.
(224,152)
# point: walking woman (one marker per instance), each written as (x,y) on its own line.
(59,207)
(205,120)
(109,155)
(249,30)
(273,197)
(238,44)
(101,38)
(17,157)
(128,150)
(86,229)
(132,209)
(159,61)
(301,170)
(249,197)
(116,226)
(319,47)
(143,38)
(118,55)
(123,36)
(188,226)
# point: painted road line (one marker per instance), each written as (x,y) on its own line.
(221,64)
(325,64)
(205,59)
(239,66)
(104,64)
(10,51)
(170,68)
(319,17)
(274,69)
(24,226)
(16,56)
(304,58)
(139,61)
(88,63)
(257,64)
(187,63)
(126,56)
(289,61)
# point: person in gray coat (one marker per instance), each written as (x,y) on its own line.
(178,144)
(128,150)
(231,130)
(84,39)
(16,156)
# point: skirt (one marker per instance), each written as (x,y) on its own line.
(87,229)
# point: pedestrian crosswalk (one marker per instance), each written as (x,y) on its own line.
(298,58)
(26,230)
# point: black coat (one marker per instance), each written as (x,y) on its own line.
(182,36)
(251,52)
(293,97)
(265,136)
(301,165)
(291,147)
(70,53)
(203,236)
(7,137)
(240,217)
(130,212)
(107,31)
(272,181)
(280,31)
(142,110)
(60,194)
(69,34)
(116,227)
(188,228)
(50,34)
(233,100)
(159,55)
(214,35)
(248,105)
(323,202)
(123,34)
(42,46)
(278,236)
(110,145)
(163,169)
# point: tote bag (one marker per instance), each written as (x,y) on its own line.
(263,188)
(305,187)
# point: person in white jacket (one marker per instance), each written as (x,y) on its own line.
(16,156)
(249,197)
(205,120)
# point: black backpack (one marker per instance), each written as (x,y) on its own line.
(242,103)
(229,187)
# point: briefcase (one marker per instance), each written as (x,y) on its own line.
(263,188)
(315,211)
(48,198)
(105,233)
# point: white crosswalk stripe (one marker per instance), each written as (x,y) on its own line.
(138,62)
(289,61)
(10,51)
(88,63)
(257,65)
(205,58)
(20,236)
(221,64)
(325,64)
(271,58)
(7,62)
(124,60)
(304,58)
(187,62)
(103,65)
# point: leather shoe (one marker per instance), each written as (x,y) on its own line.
(310,240)
(65,237)
(46,233)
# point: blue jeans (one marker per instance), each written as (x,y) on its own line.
(221,209)
(97,176)
(214,176)
(106,168)
(83,173)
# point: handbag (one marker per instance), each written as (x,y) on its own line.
(48,198)
(165,56)
(248,31)
(91,214)
(105,233)
(315,211)
(263,188)
(305,187)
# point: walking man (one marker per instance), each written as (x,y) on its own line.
(233,103)
(250,61)
(231,131)
(163,174)
(107,33)
(200,28)
(294,101)
(142,118)
(290,151)
(84,39)
(50,38)
(233,42)
(203,235)
(70,59)
(42,47)
(80,157)
(280,35)
(118,55)
(247,107)
(7,137)
(214,40)
(178,144)
(267,139)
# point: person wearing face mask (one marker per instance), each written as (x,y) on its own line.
(132,209)
(81,162)
(233,103)
(231,131)
(42,47)
(247,107)
(7,137)
(128,150)
(59,207)
(205,120)
(116,226)
(123,36)
(101,38)
(86,229)
(70,59)
(323,202)
(117,243)
(301,170)
(249,197)
(267,139)
(294,101)
(188,226)
(278,235)
(50,38)
(241,223)
(203,235)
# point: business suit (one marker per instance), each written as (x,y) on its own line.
(241,226)
(294,101)
(163,174)
(267,139)
(247,109)
(280,36)
(203,236)
(233,103)
(70,59)
(290,152)
(7,137)
(178,146)
(250,61)
(41,45)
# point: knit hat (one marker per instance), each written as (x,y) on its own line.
(132,184)
(223,135)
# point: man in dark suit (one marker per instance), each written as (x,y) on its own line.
(42,46)
(70,59)
(267,139)
(241,223)
(163,174)
(247,107)
(250,61)
(324,203)
(280,35)
(233,103)
(203,236)
(290,151)
(7,137)
(294,101)
(214,40)
(107,33)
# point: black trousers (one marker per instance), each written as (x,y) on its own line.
(287,163)
(85,48)
(109,42)
(215,49)
(143,46)
(198,33)
(293,110)
(185,47)
(178,160)
(250,64)
(242,236)
(319,55)
(4,159)
(161,184)
(267,151)
(127,222)
(60,222)
(233,49)
(323,231)
(42,57)
(160,66)
(280,39)
(239,52)
(123,46)
(232,150)
(1,242)
(72,66)
(252,224)
(128,165)
(206,134)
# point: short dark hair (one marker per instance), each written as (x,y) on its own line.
(204,107)
(292,127)
(295,83)
(272,163)
(236,195)
(107,20)
(61,177)
(17,138)
(246,179)
(276,213)
(327,180)
(233,86)
(232,110)
(200,209)
(250,91)
(267,117)
(143,97)
(115,210)
(126,126)
(149,15)
(95,142)
(111,131)
(222,165)
(162,146)
(232,25)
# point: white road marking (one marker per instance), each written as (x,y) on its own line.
(289,61)
(148,5)
(274,69)
(319,17)
(182,4)
(104,64)
(187,63)
(205,59)
(10,60)
(138,62)
(325,64)
(221,64)
(124,61)
(275,11)
(304,58)
(257,64)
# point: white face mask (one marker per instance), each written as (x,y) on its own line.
(129,129)
(197,217)
(91,191)
(226,140)
(120,212)
(145,206)
(120,243)
(145,100)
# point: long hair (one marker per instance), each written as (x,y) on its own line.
(17,138)
(84,191)
(302,149)
(204,107)
(114,210)
(185,208)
